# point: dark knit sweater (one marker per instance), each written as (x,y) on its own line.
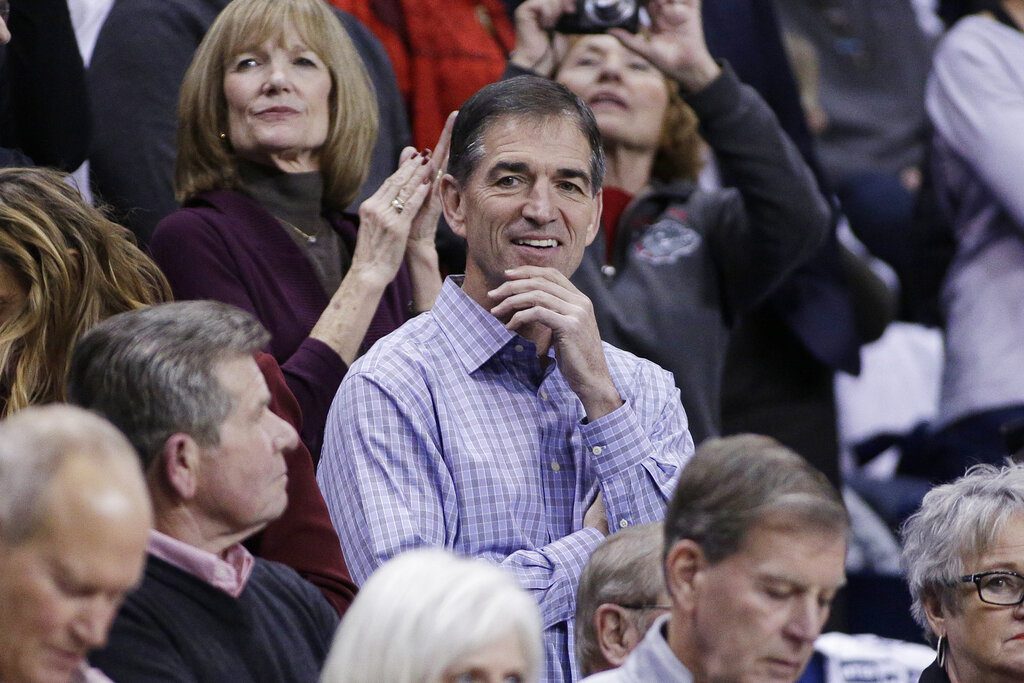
(175,627)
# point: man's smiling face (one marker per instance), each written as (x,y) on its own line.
(529,201)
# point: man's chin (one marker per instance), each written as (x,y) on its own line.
(58,666)
(783,670)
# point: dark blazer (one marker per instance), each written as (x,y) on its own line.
(44,108)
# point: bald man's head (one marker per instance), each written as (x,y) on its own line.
(74,522)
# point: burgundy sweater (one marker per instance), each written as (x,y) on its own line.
(224,245)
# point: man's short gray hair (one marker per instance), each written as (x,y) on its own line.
(624,570)
(956,521)
(733,483)
(35,444)
(151,372)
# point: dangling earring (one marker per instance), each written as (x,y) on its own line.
(940,652)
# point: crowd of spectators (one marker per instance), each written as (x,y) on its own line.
(386,341)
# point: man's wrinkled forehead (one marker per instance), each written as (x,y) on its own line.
(513,129)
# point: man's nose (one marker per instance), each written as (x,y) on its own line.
(285,436)
(805,621)
(540,207)
(92,622)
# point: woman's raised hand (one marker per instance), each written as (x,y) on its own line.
(424,225)
(675,43)
(386,217)
(538,48)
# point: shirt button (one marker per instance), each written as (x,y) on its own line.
(519,348)
(597,450)
(543,395)
(623,523)
(555,467)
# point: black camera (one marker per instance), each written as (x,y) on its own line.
(597,16)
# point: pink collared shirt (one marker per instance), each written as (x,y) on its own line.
(229,574)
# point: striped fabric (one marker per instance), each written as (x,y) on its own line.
(450,433)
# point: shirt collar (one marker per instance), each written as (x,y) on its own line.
(654,656)
(476,335)
(229,574)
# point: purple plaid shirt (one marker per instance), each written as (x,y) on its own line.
(449,433)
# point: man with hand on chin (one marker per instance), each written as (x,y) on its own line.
(498,424)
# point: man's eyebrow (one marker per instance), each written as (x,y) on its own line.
(508,167)
(523,167)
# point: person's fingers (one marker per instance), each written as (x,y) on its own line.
(632,41)
(536,315)
(444,142)
(407,153)
(546,273)
(516,288)
(421,175)
(411,204)
(388,190)
(536,298)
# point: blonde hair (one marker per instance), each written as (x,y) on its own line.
(206,162)
(679,155)
(78,266)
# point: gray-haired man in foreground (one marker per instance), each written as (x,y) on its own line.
(755,544)
(74,519)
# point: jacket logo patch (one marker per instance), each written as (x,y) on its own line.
(667,241)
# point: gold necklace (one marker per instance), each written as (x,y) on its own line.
(310,238)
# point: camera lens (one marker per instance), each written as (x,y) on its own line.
(608,12)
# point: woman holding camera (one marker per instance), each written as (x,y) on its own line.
(677,264)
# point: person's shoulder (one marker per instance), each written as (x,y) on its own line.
(208,212)
(277,577)
(975,36)
(274,582)
(414,348)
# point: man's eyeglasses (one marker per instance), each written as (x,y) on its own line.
(998,588)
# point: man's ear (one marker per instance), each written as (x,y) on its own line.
(615,632)
(595,225)
(451,203)
(683,564)
(177,466)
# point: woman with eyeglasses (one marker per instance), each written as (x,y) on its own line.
(964,556)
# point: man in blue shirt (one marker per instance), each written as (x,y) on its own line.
(498,424)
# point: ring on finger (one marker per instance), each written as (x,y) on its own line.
(398,205)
